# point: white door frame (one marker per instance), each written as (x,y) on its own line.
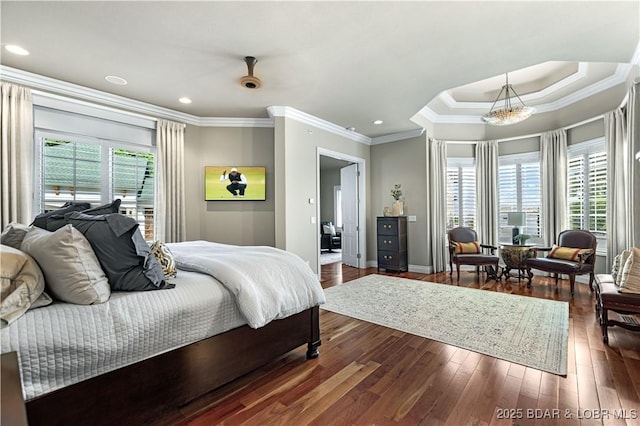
(362,202)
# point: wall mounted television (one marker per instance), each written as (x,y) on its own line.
(230,183)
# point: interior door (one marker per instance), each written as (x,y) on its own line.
(350,232)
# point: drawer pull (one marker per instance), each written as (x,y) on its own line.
(387,242)
(388,257)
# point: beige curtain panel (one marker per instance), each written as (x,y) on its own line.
(16,157)
(487,214)
(553,168)
(169,211)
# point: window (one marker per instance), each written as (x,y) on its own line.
(461,192)
(519,191)
(97,171)
(587,182)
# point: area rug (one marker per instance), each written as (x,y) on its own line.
(524,330)
(330,257)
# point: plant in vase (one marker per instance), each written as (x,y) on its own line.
(522,238)
(398,204)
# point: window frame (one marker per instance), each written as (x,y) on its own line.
(461,163)
(518,160)
(106,167)
(585,149)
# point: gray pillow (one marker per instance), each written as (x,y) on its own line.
(123,253)
(71,270)
(13,234)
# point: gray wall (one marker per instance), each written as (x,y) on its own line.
(328,179)
(231,222)
(402,162)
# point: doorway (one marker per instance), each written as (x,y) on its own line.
(341,201)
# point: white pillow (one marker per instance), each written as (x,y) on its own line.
(621,262)
(630,282)
(71,269)
(21,284)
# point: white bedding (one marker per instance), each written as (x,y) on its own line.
(62,344)
(287,286)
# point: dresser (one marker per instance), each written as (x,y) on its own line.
(392,243)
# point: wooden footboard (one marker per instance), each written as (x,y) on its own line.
(157,387)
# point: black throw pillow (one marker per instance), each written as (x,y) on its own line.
(123,253)
(42,219)
(58,220)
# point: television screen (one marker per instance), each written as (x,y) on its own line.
(234,183)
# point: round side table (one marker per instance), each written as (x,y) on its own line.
(514,257)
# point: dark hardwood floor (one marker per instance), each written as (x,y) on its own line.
(367,374)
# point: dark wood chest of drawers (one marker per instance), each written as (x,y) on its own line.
(392,243)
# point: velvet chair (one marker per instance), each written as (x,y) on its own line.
(464,249)
(574,254)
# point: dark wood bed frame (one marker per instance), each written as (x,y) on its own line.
(155,388)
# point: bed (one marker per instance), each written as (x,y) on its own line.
(141,356)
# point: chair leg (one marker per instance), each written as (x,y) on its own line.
(556,277)
(591,278)
(458,271)
(529,276)
(572,282)
(603,325)
(450,269)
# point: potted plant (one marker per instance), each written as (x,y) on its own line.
(398,205)
(521,239)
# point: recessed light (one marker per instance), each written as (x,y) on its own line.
(16,49)
(377,122)
(114,79)
(184,100)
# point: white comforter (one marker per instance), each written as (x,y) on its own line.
(267,283)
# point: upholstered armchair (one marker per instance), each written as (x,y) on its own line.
(464,249)
(574,254)
(329,238)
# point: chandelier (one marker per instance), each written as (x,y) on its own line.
(510,113)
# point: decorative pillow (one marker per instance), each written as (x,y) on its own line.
(125,256)
(568,253)
(329,229)
(466,248)
(71,270)
(41,220)
(21,285)
(621,261)
(165,258)
(13,234)
(57,221)
(630,281)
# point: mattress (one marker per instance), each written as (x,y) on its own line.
(62,344)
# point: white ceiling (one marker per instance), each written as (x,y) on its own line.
(345,62)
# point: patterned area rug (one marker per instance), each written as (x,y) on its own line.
(524,330)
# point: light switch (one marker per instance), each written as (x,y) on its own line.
(312,200)
(411,218)
(313,219)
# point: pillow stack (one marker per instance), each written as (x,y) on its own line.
(79,255)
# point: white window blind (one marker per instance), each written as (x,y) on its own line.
(519,191)
(587,181)
(96,171)
(461,192)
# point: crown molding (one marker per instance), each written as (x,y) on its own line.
(620,76)
(303,117)
(397,136)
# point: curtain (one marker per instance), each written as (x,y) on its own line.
(436,196)
(622,134)
(169,209)
(487,192)
(553,167)
(633,133)
(16,157)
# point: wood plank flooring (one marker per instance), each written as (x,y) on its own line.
(371,375)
